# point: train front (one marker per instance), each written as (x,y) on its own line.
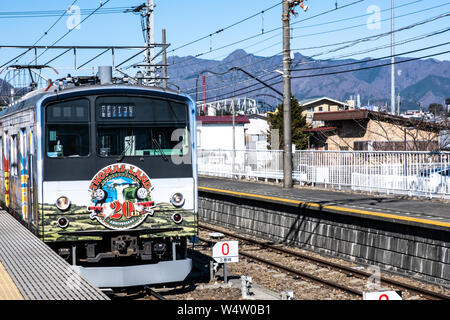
(119,186)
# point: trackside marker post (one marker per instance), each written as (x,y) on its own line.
(383,295)
(225,252)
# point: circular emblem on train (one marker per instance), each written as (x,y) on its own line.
(120,196)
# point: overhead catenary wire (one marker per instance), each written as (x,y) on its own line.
(70,30)
(260,34)
(227,96)
(364,24)
(371,60)
(428,35)
(278,82)
(54,24)
(56,13)
(48,47)
(226,28)
(43,35)
(306,35)
(320,24)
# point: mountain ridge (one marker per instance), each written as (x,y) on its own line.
(373,85)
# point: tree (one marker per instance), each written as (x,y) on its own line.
(299,124)
(437,109)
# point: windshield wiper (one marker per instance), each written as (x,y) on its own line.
(160,150)
(122,155)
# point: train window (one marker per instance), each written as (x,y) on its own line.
(142,141)
(67,131)
(67,140)
(13,157)
(68,111)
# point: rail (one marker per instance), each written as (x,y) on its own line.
(329,264)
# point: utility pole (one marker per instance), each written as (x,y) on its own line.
(392,60)
(150,37)
(164,60)
(233,117)
(287,132)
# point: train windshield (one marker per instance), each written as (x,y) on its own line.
(140,126)
(67,133)
(142,141)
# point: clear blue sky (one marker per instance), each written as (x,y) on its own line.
(186,21)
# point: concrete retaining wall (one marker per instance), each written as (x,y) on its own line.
(413,250)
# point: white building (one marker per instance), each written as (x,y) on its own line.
(216,132)
(256,132)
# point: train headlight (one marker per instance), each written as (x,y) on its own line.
(177,218)
(99,194)
(63,222)
(177,200)
(63,203)
(142,193)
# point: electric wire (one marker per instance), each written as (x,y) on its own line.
(364,24)
(55,13)
(70,30)
(334,73)
(226,28)
(266,32)
(428,35)
(305,35)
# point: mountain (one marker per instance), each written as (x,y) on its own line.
(428,90)
(420,81)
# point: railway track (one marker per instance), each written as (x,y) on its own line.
(361,274)
(133,293)
(154,294)
(292,271)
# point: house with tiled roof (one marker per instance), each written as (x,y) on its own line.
(322,104)
(366,130)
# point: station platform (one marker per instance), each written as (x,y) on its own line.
(432,214)
(30,270)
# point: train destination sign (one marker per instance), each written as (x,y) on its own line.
(120,196)
(226,251)
(116,111)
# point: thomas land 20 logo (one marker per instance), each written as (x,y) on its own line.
(120,196)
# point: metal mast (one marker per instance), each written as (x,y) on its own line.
(392,60)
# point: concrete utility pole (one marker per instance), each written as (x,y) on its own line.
(150,38)
(392,60)
(164,60)
(287,154)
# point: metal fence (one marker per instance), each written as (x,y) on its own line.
(410,173)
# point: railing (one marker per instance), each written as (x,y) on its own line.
(410,173)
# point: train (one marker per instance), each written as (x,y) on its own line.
(103,170)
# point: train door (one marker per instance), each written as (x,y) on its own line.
(5,161)
(32,205)
(2,177)
(24,183)
(13,178)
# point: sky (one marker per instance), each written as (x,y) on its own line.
(314,32)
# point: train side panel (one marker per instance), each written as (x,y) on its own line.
(17,184)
